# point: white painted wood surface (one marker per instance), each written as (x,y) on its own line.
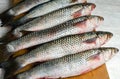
(110,10)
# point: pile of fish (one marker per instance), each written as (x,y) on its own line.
(59,36)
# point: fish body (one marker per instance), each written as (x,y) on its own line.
(75,26)
(45,9)
(64,46)
(51,6)
(22,7)
(25,6)
(55,18)
(71,65)
(40,11)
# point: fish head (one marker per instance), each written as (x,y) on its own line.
(83,9)
(95,39)
(103,37)
(89,23)
(108,53)
(87,8)
(94,21)
(98,57)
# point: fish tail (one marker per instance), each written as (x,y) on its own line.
(10,67)
(4,65)
(7,38)
(20,21)
(4,54)
(5,17)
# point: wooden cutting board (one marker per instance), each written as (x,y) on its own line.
(99,73)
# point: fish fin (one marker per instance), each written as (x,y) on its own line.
(16,2)
(10,67)
(20,21)
(21,33)
(7,38)
(95,57)
(8,15)
(19,53)
(27,67)
(77,14)
(5,65)
(4,54)
(92,40)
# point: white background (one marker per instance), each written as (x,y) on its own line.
(110,10)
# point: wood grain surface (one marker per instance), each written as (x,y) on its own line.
(99,73)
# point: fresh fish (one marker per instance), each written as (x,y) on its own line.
(71,65)
(55,18)
(45,9)
(41,10)
(20,8)
(61,47)
(25,6)
(64,46)
(75,26)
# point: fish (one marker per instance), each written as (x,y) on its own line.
(64,46)
(58,48)
(55,18)
(71,65)
(75,26)
(44,9)
(22,7)
(40,10)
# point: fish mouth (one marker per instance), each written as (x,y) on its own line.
(104,37)
(101,18)
(114,51)
(109,35)
(96,20)
(93,6)
(101,34)
(109,53)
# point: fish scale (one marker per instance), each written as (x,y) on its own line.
(60,16)
(21,7)
(67,28)
(71,65)
(46,8)
(64,46)
(25,6)
(53,5)
(40,10)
